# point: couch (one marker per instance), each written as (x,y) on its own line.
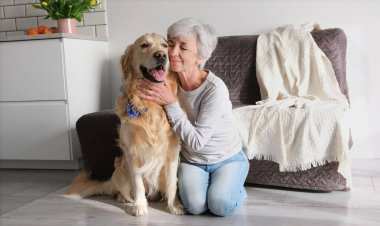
(234,62)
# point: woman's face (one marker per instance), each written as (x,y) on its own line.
(183,53)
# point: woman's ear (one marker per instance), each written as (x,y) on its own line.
(201,60)
(126,62)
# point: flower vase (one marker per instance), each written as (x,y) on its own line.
(67,26)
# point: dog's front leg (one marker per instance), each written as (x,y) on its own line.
(140,206)
(121,179)
(174,205)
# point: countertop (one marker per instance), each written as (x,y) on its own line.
(52,36)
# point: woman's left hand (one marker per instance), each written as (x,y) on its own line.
(161,93)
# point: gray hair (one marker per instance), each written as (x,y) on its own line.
(205,34)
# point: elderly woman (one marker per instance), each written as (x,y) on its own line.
(213,166)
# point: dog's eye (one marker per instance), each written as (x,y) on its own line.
(144,45)
(165,45)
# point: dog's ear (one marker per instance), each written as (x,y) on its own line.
(126,62)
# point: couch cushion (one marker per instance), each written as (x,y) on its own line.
(234,61)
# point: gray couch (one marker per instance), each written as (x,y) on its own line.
(234,62)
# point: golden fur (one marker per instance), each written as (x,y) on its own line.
(150,147)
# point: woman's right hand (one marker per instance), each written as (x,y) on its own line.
(161,93)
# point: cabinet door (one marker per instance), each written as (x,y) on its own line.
(32,70)
(34,131)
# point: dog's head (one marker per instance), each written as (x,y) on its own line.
(146,58)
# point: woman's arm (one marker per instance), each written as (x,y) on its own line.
(211,109)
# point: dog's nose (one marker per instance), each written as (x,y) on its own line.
(160,55)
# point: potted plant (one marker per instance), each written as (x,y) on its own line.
(66,12)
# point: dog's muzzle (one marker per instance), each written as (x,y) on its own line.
(157,73)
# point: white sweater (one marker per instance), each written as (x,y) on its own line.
(208,133)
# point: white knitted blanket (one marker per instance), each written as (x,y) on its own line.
(302,120)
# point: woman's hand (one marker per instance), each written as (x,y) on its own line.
(161,93)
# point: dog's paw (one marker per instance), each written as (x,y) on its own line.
(139,210)
(177,210)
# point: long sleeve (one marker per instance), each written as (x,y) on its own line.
(196,136)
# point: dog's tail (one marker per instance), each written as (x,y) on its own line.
(83,186)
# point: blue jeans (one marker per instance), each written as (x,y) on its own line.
(218,188)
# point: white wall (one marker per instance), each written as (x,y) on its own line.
(360,20)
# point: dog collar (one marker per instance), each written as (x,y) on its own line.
(132,112)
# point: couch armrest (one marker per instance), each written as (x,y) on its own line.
(98,134)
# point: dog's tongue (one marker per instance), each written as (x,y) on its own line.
(158,74)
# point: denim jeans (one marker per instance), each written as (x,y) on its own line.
(218,187)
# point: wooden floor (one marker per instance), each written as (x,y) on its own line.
(34,197)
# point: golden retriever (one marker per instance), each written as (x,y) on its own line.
(148,166)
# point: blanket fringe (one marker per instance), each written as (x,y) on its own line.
(344,168)
(295,168)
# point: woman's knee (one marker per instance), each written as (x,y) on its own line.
(196,208)
(193,183)
(222,206)
(194,204)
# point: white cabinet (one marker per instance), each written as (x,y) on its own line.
(45,86)
(34,131)
(32,70)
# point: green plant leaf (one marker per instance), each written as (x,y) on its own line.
(60,9)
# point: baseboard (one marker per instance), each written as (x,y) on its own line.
(40,164)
